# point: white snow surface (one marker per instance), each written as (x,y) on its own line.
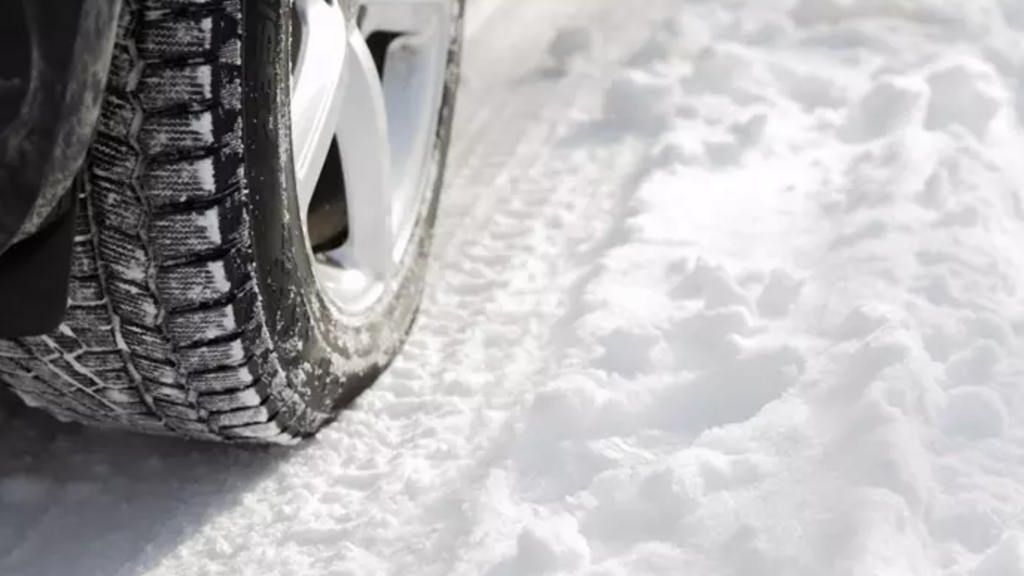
(721,287)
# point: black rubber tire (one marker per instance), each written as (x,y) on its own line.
(194,311)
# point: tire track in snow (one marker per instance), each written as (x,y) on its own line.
(498,92)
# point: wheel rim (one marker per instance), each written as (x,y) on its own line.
(366,101)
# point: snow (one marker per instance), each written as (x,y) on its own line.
(732,289)
(568,44)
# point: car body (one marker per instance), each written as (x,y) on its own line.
(56,57)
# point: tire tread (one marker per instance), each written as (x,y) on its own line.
(163,331)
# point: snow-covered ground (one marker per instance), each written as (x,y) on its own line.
(722,288)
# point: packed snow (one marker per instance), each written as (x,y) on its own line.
(722,287)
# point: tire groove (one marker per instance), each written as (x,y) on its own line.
(134,78)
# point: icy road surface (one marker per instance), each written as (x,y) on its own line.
(723,288)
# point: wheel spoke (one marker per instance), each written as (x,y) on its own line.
(414,62)
(374,90)
(366,155)
(316,93)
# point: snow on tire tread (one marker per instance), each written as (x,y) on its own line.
(163,331)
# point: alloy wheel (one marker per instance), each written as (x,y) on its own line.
(365,107)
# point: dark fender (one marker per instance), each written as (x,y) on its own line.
(56,55)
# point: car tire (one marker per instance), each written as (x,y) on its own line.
(194,308)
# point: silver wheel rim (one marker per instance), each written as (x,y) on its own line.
(363,139)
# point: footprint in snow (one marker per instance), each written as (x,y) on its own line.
(975,365)
(733,71)
(709,337)
(640,504)
(966,92)
(730,392)
(873,445)
(546,546)
(874,356)
(938,188)
(973,521)
(780,294)
(1006,558)
(569,46)
(675,37)
(711,282)
(892,104)
(862,321)
(629,353)
(640,101)
(974,414)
